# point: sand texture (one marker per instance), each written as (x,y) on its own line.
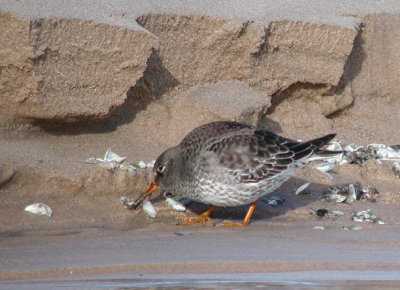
(79,77)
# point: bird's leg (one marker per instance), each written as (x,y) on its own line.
(203,218)
(246,220)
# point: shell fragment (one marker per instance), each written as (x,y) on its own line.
(39,208)
(302,188)
(149,209)
(176,205)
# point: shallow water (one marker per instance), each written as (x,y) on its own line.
(367,279)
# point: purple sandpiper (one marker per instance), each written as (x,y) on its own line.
(230,164)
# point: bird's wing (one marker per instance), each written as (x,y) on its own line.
(250,156)
(206,135)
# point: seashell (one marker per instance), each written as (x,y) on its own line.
(126,201)
(149,209)
(352,228)
(367,217)
(302,187)
(39,208)
(319,228)
(142,164)
(176,205)
(396,169)
(334,146)
(324,212)
(275,201)
(151,164)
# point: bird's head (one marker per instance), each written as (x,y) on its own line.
(167,168)
(166,172)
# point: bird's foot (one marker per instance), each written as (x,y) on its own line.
(229,223)
(190,220)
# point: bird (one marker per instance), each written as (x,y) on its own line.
(231,164)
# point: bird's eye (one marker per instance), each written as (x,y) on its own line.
(160,168)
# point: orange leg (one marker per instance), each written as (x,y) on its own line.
(203,218)
(246,220)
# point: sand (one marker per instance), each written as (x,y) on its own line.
(189,68)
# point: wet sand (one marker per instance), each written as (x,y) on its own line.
(269,251)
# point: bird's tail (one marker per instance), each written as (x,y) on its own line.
(312,148)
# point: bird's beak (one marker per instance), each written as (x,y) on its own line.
(150,188)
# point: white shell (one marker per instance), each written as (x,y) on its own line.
(334,146)
(151,164)
(302,187)
(39,208)
(352,227)
(326,166)
(111,156)
(142,164)
(176,205)
(319,228)
(149,209)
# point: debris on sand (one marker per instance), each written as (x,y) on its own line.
(39,208)
(349,193)
(352,228)
(275,201)
(327,213)
(183,233)
(112,161)
(149,209)
(175,204)
(319,228)
(302,188)
(127,202)
(360,154)
(328,163)
(396,169)
(367,217)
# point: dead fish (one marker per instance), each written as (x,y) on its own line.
(149,209)
(39,208)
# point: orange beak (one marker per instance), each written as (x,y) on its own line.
(150,188)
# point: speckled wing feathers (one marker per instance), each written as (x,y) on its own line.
(209,134)
(247,153)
